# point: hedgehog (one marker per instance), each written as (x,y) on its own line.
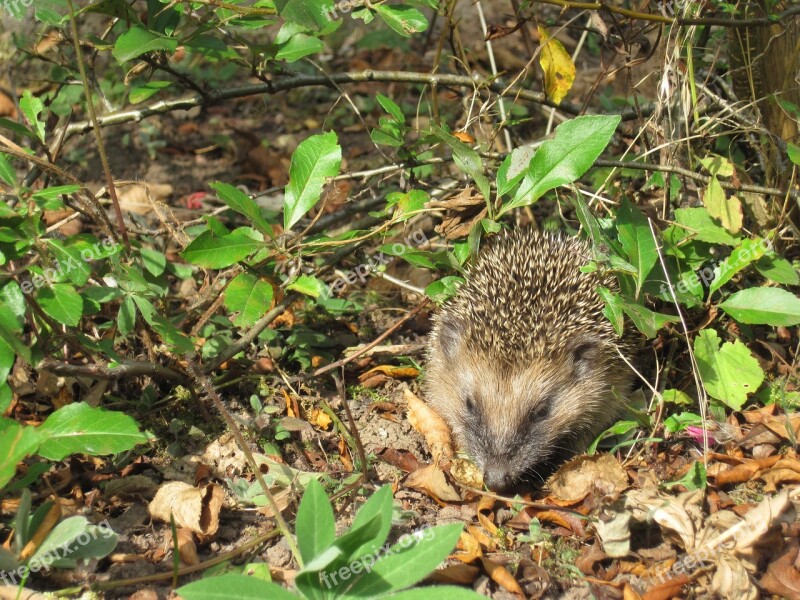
(522,364)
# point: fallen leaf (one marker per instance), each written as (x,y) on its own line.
(392,371)
(430,425)
(195,508)
(501,576)
(782,577)
(583,474)
(187,550)
(431,480)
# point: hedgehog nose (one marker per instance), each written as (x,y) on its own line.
(498,479)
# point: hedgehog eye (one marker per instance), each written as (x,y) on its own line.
(542,410)
(469,403)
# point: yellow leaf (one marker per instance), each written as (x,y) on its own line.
(559,70)
(727,210)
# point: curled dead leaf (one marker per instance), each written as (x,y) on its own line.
(575,479)
(195,508)
(187,550)
(430,425)
(502,577)
(431,480)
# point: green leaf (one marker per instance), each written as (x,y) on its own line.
(212,252)
(7,172)
(466,159)
(513,169)
(315,525)
(730,372)
(299,46)
(67,543)
(565,158)
(408,203)
(16,442)
(243,204)
(231,585)
(312,14)
(645,320)
(677,397)
(32,107)
(699,225)
(391,108)
(694,479)
(316,158)
(747,252)
(405,20)
(69,263)
(637,241)
(777,269)
(379,504)
(80,429)
(140,93)
(154,261)
(61,302)
(764,306)
(794,153)
(309,285)
(250,296)
(126,318)
(444,288)
(424,551)
(138,40)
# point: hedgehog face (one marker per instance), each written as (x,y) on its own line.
(520,421)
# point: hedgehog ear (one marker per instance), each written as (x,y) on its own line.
(584,353)
(449,337)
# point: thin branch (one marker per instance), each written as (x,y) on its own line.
(125,368)
(680,21)
(756,189)
(299,81)
(372,344)
(101,148)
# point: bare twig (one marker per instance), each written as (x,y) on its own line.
(373,343)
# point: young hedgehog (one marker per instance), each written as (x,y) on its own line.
(522,364)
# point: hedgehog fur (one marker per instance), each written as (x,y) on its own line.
(522,363)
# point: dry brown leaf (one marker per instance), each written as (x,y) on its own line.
(402,459)
(132,485)
(667,590)
(628,593)
(194,508)
(731,580)
(320,418)
(139,197)
(459,574)
(45,527)
(575,479)
(430,425)
(186,547)
(392,371)
(485,541)
(783,577)
(431,480)
(501,576)
(469,546)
